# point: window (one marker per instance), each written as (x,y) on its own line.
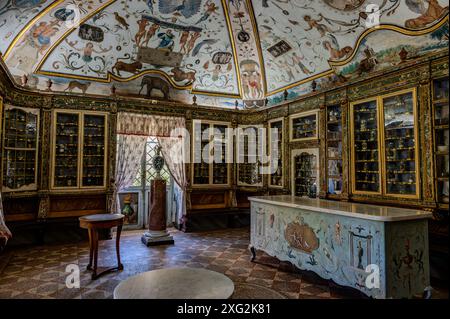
(147,165)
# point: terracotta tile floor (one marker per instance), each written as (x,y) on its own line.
(40,272)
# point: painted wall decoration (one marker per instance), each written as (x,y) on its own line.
(386,49)
(218,50)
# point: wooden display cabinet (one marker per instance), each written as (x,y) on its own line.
(334,155)
(305,171)
(249,165)
(211,136)
(276,180)
(441,141)
(79,150)
(20,149)
(384,151)
(304,126)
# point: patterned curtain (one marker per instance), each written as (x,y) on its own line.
(5,234)
(130,149)
(175,152)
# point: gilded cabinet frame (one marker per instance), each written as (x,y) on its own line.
(4,109)
(301,115)
(382,147)
(229,154)
(81,115)
(258,128)
(283,139)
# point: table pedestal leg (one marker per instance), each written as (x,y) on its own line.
(119,230)
(91,250)
(95,248)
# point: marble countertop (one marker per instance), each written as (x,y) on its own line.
(356,210)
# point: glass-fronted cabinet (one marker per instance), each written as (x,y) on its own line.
(94,130)
(66,150)
(249,155)
(20,149)
(276,150)
(212,153)
(441,140)
(400,139)
(79,150)
(334,149)
(384,145)
(305,170)
(304,126)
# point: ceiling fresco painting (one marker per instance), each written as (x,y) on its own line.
(379,51)
(308,34)
(16,14)
(247,49)
(188,45)
(223,53)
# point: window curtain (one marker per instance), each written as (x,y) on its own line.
(5,234)
(130,149)
(173,149)
(171,134)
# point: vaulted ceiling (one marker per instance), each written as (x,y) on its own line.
(225,52)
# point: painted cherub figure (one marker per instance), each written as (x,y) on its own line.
(314,24)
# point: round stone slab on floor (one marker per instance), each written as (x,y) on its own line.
(176,283)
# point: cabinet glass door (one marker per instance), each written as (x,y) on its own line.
(201,164)
(365,146)
(400,145)
(20,149)
(334,149)
(220,165)
(66,150)
(249,164)
(276,178)
(441,139)
(305,173)
(94,150)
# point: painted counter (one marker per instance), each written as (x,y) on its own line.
(348,243)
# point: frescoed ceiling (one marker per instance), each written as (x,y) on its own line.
(226,53)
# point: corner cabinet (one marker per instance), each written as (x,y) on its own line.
(212,154)
(79,150)
(276,152)
(441,140)
(384,145)
(20,149)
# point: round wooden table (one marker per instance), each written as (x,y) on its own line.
(101,221)
(176,283)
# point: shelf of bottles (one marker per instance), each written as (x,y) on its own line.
(20,149)
(201,162)
(210,140)
(334,149)
(365,147)
(93,150)
(220,164)
(249,165)
(441,131)
(66,150)
(305,174)
(400,144)
(304,127)
(276,142)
